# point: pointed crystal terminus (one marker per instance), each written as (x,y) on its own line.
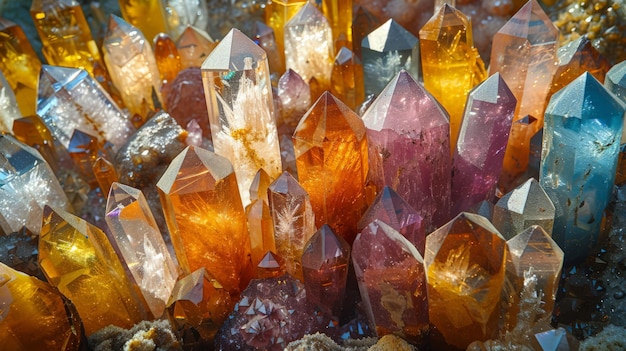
(147,15)
(465,268)
(35,315)
(581,141)
(137,240)
(325,261)
(331,151)
(194,45)
(294,220)
(346,80)
(77,258)
(130,60)
(239,100)
(105,173)
(167,57)
(449,61)
(27,184)
(408,133)
(69,99)
(386,51)
(277,14)
(270,266)
(392,282)
(526,205)
(483,137)
(295,99)
(202,206)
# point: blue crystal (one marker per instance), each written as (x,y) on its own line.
(581,139)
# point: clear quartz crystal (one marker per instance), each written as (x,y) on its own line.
(8,106)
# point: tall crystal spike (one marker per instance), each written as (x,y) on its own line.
(35,315)
(339,15)
(392,282)
(294,220)
(409,136)
(346,80)
(325,261)
(450,62)
(8,106)
(140,246)
(309,48)
(331,157)
(581,140)
(239,99)
(132,66)
(65,35)
(167,57)
(386,51)
(526,205)
(27,184)
(70,99)
(77,258)
(146,15)
(465,268)
(20,65)
(483,137)
(194,46)
(524,51)
(202,206)
(183,13)
(277,14)
(391,208)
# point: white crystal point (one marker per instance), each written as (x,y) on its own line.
(232,52)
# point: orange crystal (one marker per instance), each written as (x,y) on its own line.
(167,57)
(346,79)
(147,15)
(194,45)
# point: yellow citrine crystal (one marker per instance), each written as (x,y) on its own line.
(277,14)
(346,80)
(147,15)
(339,14)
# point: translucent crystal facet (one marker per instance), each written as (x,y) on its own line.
(615,82)
(449,63)
(183,13)
(132,66)
(167,57)
(200,198)
(409,133)
(277,14)
(526,205)
(339,15)
(146,15)
(264,37)
(465,264)
(331,152)
(70,99)
(295,99)
(77,258)
(260,228)
(581,140)
(105,173)
(194,46)
(8,106)
(386,51)
(390,273)
(270,266)
(27,184)
(239,99)
(483,137)
(325,261)
(347,78)
(140,246)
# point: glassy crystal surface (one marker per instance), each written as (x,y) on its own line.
(409,133)
(525,131)
(483,137)
(200,198)
(265,38)
(295,99)
(84,149)
(615,82)
(451,64)
(309,48)
(77,258)
(35,315)
(132,66)
(167,57)
(386,51)
(339,15)
(194,46)
(581,138)
(483,208)
(105,173)
(390,273)
(20,65)
(8,106)
(146,15)
(241,109)
(294,220)
(259,186)
(362,23)
(277,14)
(270,266)
(347,78)
(465,264)
(331,157)
(526,205)
(31,131)
(68,99)
(185,100)
(260,229)
(183,13)
(325,261)
(27,184)
(138,242)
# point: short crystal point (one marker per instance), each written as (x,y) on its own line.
(194,46)
(260,229)
(408,132)
(386,51)
(347,78)
(325,262)
(295,99)
(483,137)
(391,278)
(260,183)
(584,122)
(270,266)
(465,264)
(391,208)
(526,205)
(135,236)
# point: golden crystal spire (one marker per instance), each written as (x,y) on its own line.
(147,15)
(167,57)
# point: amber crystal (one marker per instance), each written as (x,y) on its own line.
(84,149)
(202,206)
(35,316)
(465,264)
(146,15)
(270,266)
(77,258)
(347,78)
(105,173)
(183,13)
(20,65)
(194,46)
(331,152)
(339,15)
(260,228)
(392,282)
(523,152)
(260,183)
(277,14)
(32,131)
(167,57)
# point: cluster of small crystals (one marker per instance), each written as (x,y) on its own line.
(250,193)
